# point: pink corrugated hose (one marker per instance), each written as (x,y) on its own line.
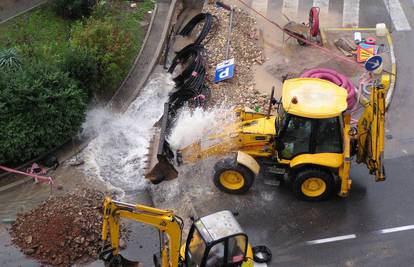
(336,78)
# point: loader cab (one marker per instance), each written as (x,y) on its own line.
(216,240)
(310,118)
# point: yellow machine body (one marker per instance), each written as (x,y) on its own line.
(217,228)
(256,135)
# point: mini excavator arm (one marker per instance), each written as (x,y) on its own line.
(163,220)
(370,134)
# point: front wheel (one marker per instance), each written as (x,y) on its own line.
(232,178)
(313,184)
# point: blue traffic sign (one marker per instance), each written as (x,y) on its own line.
(373,63)
(224,70)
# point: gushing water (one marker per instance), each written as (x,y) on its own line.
(117,155)
(193,125)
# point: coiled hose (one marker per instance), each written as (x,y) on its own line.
(188,28)
(190,83)
(336,78)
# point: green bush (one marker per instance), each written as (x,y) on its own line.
(82,66)
(111,46)
(40,108)
(74,9)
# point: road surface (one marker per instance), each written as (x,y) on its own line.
(374,226)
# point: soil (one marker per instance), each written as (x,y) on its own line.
(62,230)
(247,52)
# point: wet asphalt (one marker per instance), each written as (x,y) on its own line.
(286,224)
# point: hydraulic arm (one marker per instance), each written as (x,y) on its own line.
(163,220)
(370,134)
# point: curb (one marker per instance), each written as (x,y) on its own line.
(156,56)
(144,43)
(393,78)
(117,101)
(24,11)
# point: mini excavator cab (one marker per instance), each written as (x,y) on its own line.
(216,240)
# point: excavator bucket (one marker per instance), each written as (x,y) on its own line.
(371,134)
(161,157)
(116,260)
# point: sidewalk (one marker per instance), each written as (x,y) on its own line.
(11,8)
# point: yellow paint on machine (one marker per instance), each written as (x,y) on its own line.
(248,161)
(331,160)
(313,98)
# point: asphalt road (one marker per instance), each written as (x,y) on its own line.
(349,231)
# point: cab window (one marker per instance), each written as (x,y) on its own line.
(236,249)
(296,137)
(215,257)
(328,137)
(196,249)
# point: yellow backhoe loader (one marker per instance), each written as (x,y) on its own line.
(310,141)
(214,240)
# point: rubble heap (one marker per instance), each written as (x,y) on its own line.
(245,50)
(62,230)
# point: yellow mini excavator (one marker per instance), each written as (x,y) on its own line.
(310,141)
(214,240)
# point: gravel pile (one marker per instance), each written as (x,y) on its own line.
(62,230)
(246,52)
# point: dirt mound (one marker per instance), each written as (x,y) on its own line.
(62,230)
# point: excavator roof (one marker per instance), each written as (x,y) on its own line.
(313,98)
(218,225)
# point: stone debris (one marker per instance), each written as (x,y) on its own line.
(62,230)
(244,48)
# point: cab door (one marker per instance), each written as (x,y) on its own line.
(294,138)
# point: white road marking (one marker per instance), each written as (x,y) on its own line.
(405,151)
(323,6)
(260,5)
(290,8)
(396,229)
(330,239)
(350,16)
(397,15)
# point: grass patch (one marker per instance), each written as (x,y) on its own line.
(38,33)
(41,34)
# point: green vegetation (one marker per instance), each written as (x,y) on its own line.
(51,60)
(40,108)
(73,9)
(10,61)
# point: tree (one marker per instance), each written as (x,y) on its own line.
(40,108)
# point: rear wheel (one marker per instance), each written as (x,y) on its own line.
(313,184)
(231,177)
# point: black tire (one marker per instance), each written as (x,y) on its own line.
(229,164)
(303,175)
